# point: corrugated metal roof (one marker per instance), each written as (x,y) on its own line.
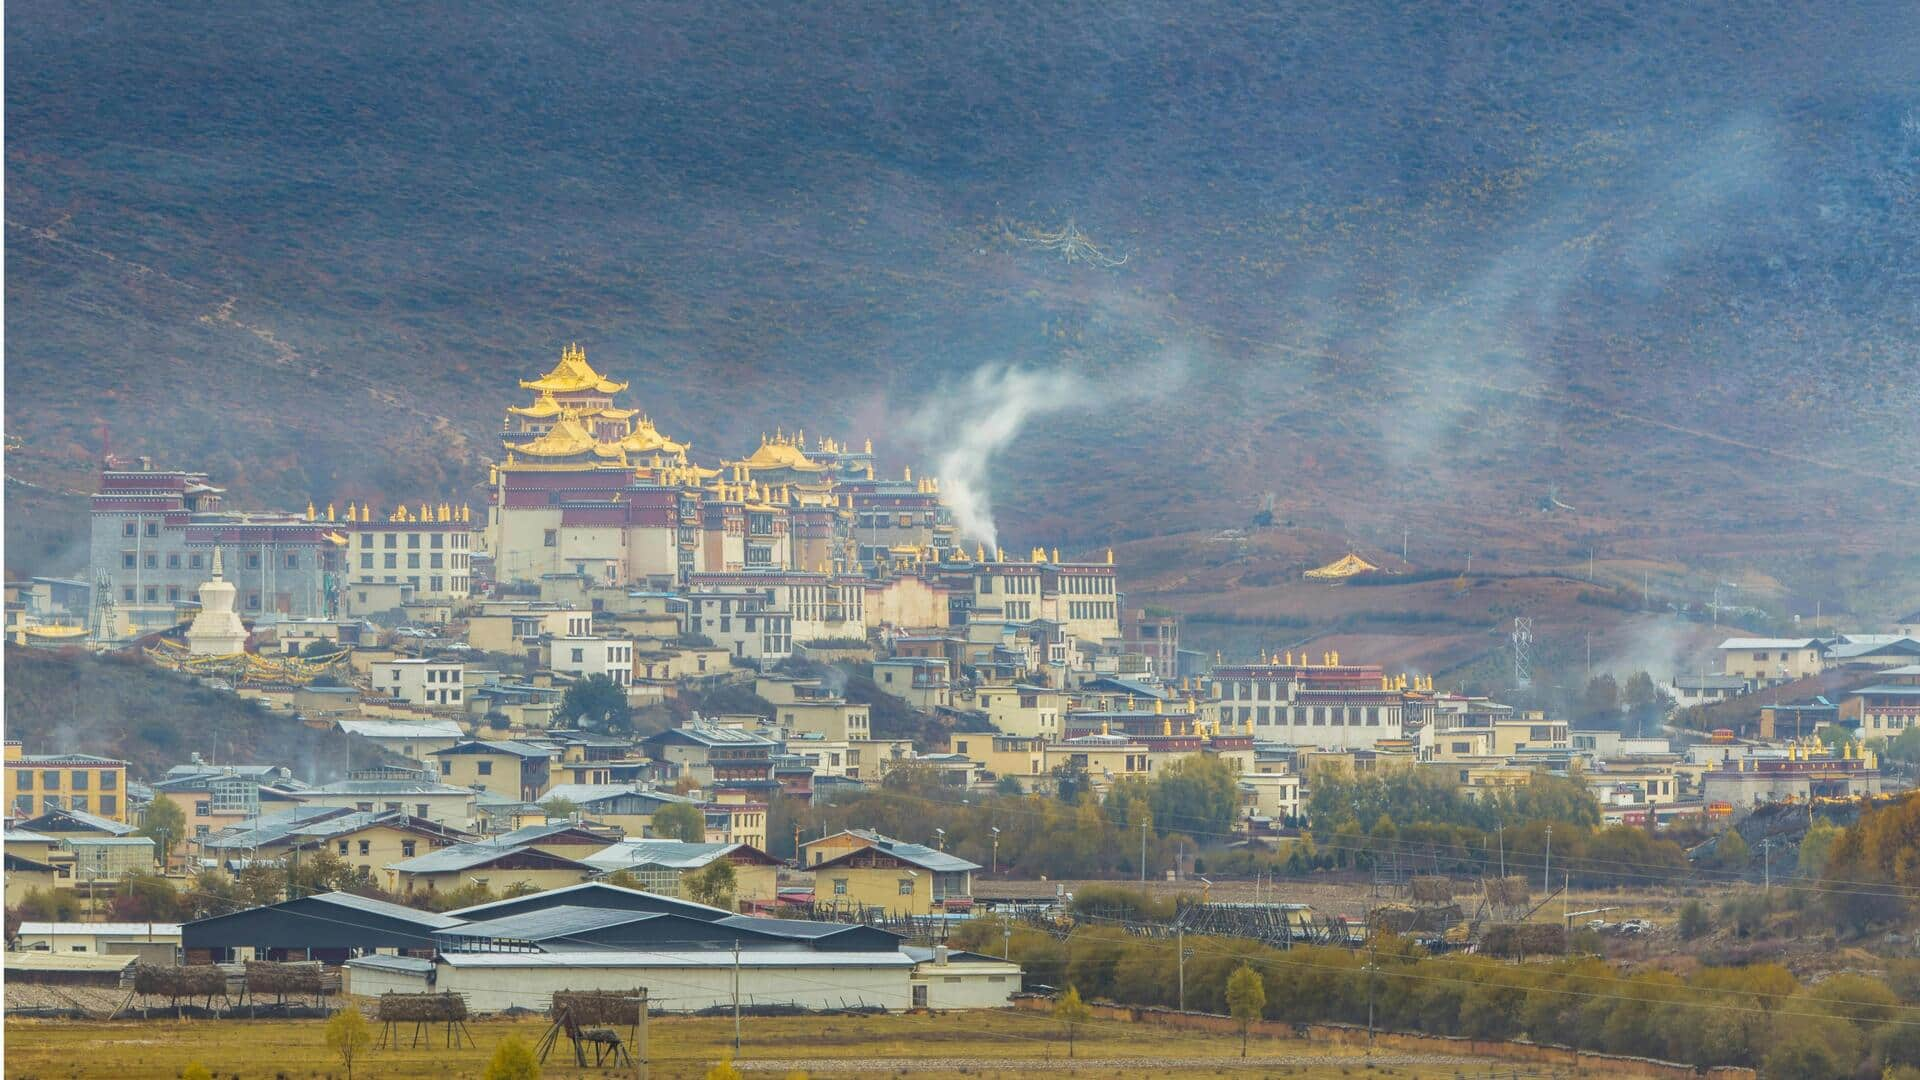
(546,924)
(100,929)
(404,729)
(382,907)
(36,960)
(588,892)
(802,929)
(759,958)
(470,856)
(584,794)
(672,854)
(409,965)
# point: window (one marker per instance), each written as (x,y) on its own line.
(153,594)
(23,805)
(406,849)
(153,528)
(82,780)
(110,805)
(81,804)
(413,540)
(366,560)
(392,540)
(840,886)
(436,561)
(393,561)
(366,847)
(413,561)
(128,528)
(50,781)
(420,810)
(253,560)
(906,886)
(253,601)
(128,561)
(366,539)
(343,847)
(173,594)
(439,540)
(551,538)
(193,562)
(203,808)
(173,561)
(485,768)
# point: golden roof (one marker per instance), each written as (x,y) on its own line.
(542,406)
(572,375)
(567,438)
(646,439)
(1345,567)
(780,452)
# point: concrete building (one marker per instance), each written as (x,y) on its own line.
(392,791)
(1883,710)
(1772,661)
(1688,691)
(154,942)
(661,866)
(864,871)
(429,549)
(428,683)
(585,657)
(414,739)
(109,858)
(1326,704)
(922,682)
(39,783)
(497,866)
(517,770)
(517,627)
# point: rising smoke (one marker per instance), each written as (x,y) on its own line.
(975,421)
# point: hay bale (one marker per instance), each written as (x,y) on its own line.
(596,1006)
(421,1008)
(267,977)
(1523,939)
(194,980)
(1511,891)
(1431,890)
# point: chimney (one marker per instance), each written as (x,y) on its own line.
(940,955)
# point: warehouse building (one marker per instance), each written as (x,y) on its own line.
(331,926)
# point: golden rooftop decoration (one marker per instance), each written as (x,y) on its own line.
(573,375)
(1109,556)
(1056,556)
(311,513)
(329,511)
(1341,569)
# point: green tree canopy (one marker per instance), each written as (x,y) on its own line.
(1246,1000)
(597,703)
(713,884)
(1070,1012)
(680,821)
(165,823)
(512,1060)
(348,1036)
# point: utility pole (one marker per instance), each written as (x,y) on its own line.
(640,1041)
(1143,852)
(736,997)
(1500,835)
(1766,861)
(1370,970)
(1566,911)
(996,850)
(1180,948)
(1006,939)
(1546,874)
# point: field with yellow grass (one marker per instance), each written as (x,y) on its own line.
(972,1044)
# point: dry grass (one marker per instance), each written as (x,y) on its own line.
(970,1044)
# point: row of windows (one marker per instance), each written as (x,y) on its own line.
(1014,585)
(1318,715)
(1089,609)
(434,540)
(250,560)
(105,805)
(130,528)
(435,561)
(1094,585)
(78,779)
(435,583)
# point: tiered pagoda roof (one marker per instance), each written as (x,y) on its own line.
(572,375)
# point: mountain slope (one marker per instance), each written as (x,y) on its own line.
(1400,268)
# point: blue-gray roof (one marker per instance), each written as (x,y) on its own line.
(547,924)
(407,965)
(472,856)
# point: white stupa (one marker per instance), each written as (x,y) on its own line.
(217,630)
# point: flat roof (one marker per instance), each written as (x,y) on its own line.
(102,929)
(703,958)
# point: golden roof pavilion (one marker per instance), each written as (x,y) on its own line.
(572,375)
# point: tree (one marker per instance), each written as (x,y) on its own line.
(559,807)
(348,1036)
(1070,1012)
(712,884)
(146,898)
(1693,920)
(680,821)
(1817,846)
(1731,853)
(1246,1000)
(512,1060)
(723,1070)
(195,1071)
(597,703)
(165,823)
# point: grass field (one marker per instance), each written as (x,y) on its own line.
(970,1044)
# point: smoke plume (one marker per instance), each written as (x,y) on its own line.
(976,420)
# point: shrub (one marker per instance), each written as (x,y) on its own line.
(512,1060)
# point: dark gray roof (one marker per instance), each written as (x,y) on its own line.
(382,907)
(594,894)
(472,856)
(410,965)
(547,924)
(499,746)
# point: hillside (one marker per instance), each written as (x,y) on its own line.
(1399,268)
(74,702)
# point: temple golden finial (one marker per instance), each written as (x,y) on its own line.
(311,513)
(1156,707)
(869,444)
(909,472)
(1109,556)
(1263,654)
(1166,726)
(466,513)
(329,511)
(353,513)
(1106,727)
(1056,556)
(979,553)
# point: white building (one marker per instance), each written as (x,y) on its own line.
(416,739)
(110,938)
(432,683)
(1771,661)
(585,657)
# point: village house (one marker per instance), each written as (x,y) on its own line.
(862,871)
(427,683)
(497,866)
(517,770)
(1772,661)
(661,866)
(37,783)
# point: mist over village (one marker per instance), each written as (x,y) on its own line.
(831,540)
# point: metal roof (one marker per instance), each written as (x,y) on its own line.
(547,924)
(102,929)
(672,854)
(36,960)
(768,958)
(387,787)
(404,729)
(81,817)
(379,907)
(469,856)
(802,929)
(713,735)
(1889,690)
(588,893)
(410,965)
(583,794)
(1768,643)
(499,746)
(22,836)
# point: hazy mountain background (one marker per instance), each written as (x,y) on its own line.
(1404,266)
